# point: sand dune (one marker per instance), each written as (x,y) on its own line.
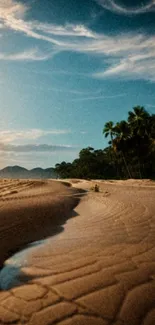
(28,209)
(99,270)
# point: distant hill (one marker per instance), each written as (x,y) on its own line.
(20,172)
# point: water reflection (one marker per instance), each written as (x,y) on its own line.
(11,275)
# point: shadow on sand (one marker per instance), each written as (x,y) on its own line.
(11,275)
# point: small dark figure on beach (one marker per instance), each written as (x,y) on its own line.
(96,188)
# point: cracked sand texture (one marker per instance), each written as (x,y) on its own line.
(99,270)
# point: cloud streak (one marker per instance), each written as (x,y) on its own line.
(96,98)
(28,55)
(132,67)
(7,136)
(128,55)
(67,30)
(35,148)
(150,105)
(12,16)
(114,7)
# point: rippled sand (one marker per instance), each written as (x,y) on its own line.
(29,209)
(100,269)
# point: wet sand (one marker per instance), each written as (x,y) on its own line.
(99,270)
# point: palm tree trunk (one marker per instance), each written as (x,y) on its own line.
(115,159)
(125,163)
(140,174)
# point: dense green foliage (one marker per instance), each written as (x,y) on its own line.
(130,154)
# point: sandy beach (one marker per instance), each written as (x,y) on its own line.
(29,209)
(96,267)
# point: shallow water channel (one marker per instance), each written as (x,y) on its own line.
(11,274)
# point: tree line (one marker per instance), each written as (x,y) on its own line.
(130,152)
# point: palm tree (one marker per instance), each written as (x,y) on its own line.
(121,142)
(139,120)
(140,124)
(109,130)
(123,131)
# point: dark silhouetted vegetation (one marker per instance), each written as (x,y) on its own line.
(130,154)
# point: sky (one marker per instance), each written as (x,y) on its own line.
(66,68)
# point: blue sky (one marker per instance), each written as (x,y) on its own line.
(67,67)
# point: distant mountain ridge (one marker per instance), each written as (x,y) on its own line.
(21,172)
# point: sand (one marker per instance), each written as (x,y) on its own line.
(98,269)
(29,209)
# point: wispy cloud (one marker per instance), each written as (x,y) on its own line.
(11,8)
(117,8)
(96,97)
(134,66)
(35,148)
(150,105)
(28,55)
(67,30)
(12,15)
(62,90)
(128,55)
(7,136)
